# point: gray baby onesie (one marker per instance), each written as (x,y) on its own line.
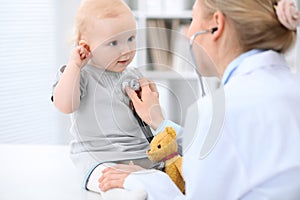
(104,128)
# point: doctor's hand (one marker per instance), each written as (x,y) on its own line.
(114,177)
(147,107)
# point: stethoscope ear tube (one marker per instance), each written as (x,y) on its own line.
(192,39)
(195,62)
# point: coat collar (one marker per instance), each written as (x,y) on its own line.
(252,60)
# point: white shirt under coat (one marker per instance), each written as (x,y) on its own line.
(252,150)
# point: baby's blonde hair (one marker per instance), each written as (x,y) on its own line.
(90,10)
(256,23)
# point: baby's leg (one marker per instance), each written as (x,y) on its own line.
(115,193)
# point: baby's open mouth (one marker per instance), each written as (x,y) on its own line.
(123,61)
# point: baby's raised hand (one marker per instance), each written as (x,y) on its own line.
(79,56)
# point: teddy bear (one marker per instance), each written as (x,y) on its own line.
(163,148)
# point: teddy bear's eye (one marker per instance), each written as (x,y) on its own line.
(158,146)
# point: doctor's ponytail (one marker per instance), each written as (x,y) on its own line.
(256,23)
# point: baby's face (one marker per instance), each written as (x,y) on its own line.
(113,43)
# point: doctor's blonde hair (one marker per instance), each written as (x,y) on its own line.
(256,23)
(90,10)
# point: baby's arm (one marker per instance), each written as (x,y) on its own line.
(66,96)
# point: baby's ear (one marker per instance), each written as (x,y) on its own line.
(84,44)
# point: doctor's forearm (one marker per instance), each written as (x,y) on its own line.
(157,184)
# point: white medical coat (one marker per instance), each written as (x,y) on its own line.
(256,151)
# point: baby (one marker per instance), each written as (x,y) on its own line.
(89,87)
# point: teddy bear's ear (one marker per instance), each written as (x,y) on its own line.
(171,131)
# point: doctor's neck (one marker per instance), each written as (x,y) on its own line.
(225,54)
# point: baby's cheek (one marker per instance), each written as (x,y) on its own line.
(100,60)
(104,58)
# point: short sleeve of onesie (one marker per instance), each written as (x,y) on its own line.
(83,81)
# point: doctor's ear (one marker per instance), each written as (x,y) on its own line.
(84,44)
(219,21)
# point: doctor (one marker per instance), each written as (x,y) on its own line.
(256,151)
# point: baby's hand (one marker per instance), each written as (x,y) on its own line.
(79,56)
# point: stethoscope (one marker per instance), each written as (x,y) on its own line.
(134,84)
(192,39)
(218,111)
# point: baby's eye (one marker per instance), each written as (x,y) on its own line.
(131,39)
(159,146)
(113,43)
